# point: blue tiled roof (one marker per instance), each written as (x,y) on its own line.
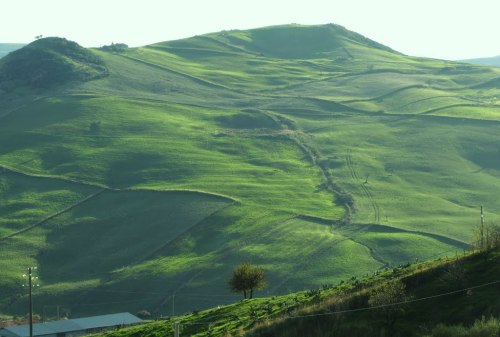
(77,324)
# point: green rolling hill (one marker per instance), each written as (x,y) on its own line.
(137,179)
(47,62)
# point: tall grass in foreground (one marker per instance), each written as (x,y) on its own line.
(485,327)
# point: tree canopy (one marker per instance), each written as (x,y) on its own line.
(246,278)
(389,298)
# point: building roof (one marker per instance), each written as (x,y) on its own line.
(77,324)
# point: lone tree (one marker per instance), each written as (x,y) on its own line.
(246,278)
(389,299)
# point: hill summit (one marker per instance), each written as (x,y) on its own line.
(299,41)
(292,41)
(49,61)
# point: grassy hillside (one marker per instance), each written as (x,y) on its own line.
(453,291)
(312,151)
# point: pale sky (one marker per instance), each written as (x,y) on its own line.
(447,29)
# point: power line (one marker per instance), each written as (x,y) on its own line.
(402,302)
(291,317)
(108,273)
(30,285)
(330,313)
(161,293)
(109,303)
(195,296)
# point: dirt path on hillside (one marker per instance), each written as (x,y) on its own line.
(313,155)
(365,190)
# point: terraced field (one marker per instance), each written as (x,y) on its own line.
(310,150)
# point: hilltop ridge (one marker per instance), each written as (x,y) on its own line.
(47,62)
(291,41)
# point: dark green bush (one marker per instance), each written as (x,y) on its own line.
(481,328)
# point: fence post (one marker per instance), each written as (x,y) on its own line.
(177,329)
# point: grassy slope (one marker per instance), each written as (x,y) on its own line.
(412,157)
(310,313)
(228,114)
(143,221)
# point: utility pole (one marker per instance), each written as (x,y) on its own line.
(481,230)
(177,329)
(58,307)
(173,304)
(30,285)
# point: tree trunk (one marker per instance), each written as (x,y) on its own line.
(251,293)
(245,293)
(390,327)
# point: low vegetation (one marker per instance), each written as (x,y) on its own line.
(48,62)
(484,327)
(115,48)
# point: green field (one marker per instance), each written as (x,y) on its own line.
(310,150)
